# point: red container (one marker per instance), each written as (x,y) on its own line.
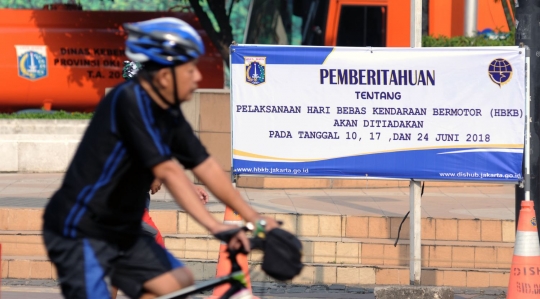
(66,59)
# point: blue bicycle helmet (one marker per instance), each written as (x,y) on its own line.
(163,41)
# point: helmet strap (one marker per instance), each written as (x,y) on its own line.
(175,88)
(148,78)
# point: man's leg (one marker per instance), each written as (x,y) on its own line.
(167,283)
(148,269)
(81,271)
(149,228)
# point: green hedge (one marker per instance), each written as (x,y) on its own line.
(462,41)
(47,115)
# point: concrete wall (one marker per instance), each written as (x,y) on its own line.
(49,145)
(38,145)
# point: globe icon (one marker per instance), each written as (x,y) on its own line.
(500,71)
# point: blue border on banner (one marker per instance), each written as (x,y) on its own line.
(451,164)
(282,55)
(433,164)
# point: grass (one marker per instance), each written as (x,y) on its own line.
(462,41)
(47,115)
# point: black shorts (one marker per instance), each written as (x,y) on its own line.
(84,265)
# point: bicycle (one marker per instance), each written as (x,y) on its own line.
(236,278)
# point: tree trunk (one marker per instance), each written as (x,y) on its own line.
(508,14)
(222,39)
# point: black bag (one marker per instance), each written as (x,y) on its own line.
(282,255)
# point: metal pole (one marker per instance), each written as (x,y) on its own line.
(528,34)
(527,158)
(233,178)
(416,23)
(471,15)
(415,202)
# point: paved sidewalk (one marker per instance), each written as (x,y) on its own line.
(490,202)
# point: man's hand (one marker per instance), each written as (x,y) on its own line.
(155,187)
(271,223)
(238,241)
(202,195)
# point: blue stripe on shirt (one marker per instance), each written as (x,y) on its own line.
(81,198)
(113,106)
(104,179)
(147,121)
(75,208)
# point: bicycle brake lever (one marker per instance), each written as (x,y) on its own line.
(226,236)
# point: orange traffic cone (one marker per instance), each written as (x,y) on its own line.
(525,271)
(224,265)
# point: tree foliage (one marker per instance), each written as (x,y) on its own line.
(222,35)
(123,5)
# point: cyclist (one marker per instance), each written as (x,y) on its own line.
(92,223)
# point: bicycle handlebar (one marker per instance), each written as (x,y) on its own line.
(226,236)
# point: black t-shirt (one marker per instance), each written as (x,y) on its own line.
(104,189)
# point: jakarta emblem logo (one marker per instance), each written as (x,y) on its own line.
(255,70)
(500,71)
(32,62)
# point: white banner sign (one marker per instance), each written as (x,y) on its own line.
(426,113)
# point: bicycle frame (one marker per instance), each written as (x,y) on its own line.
(236,279)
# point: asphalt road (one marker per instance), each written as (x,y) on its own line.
(48,293)
(48,289)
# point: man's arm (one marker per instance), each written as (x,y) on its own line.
(183,191)
(203,196)
(213,177)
